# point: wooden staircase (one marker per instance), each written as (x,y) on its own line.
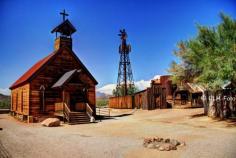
(77,117)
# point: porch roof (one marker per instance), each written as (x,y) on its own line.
(65,78)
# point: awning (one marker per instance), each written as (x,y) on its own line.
(65,78)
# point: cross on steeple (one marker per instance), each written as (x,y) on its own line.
(64,14)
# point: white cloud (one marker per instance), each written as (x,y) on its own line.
(141,85)
(4,91)
(157,77)
(107,89)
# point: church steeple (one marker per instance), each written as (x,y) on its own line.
(65,30)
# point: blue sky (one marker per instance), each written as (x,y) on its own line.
(154,27)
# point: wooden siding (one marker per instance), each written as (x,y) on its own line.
(152,98)
(62,63)
(122,102)
(149,99)
(91,95)
(156,97)
(141,100)
(20,99)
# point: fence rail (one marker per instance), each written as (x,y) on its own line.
(103,111)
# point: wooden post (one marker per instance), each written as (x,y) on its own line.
(43,102)
(100,115)
(11,101)
(63,102)
(191,98)
(173,98)
(42,90)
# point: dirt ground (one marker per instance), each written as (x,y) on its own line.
(121,136)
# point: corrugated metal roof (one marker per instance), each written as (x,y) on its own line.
(194,88)
(65,78)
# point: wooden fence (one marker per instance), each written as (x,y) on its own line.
(122,102)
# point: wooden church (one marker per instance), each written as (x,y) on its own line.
(56,84)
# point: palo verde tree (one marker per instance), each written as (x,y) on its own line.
(208,59)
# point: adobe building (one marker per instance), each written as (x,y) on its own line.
(57,84)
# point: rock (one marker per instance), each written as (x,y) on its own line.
(151,146)
(158,139)
(162,144)
(147,140)
(172,147)
(51,122)
(167,140)
(182,144)
(167,146)
(161,148)
(155,138)
(174,142)
(157,146)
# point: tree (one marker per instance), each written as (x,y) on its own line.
(119,91)
(208,59)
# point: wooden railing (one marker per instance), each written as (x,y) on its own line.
(103,111)
(66,112)
(89,110)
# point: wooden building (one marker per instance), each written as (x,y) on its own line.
(57,83)
(154,97)
(188,95)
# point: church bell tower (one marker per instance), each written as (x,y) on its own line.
(65,30)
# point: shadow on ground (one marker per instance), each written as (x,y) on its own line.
(197,115)
(103,117)
(230,122)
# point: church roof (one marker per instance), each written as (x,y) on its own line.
(65,28)
(40,64)
(32,70)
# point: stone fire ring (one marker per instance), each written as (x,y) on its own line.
(162,144)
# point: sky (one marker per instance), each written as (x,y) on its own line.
(154,28)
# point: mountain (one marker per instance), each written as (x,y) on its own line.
(4,97)
(100,95)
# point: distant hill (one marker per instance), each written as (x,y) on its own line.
(100,95)
(2,96)
(5,101)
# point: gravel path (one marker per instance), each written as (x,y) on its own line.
(121,136)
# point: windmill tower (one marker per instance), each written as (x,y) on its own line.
(125,75)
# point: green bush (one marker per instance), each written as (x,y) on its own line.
(4,104)
(102,102)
